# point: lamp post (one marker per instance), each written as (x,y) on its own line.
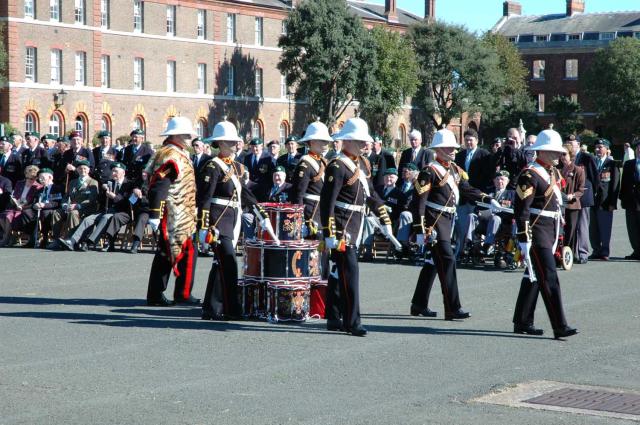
(58,98)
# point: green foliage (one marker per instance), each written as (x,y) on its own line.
(511,65)
(396,78)
(4,56)
(613,81)
(9,128)
(566,115)
(327,54)
(458,71)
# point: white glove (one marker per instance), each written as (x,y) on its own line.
(331,243)
(420,239)
(495,206)
(525,247)
(266,226)
(154,223)
(386,230)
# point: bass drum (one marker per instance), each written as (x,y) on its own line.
(252,296)
(286,220)
(265,261)
(288,301)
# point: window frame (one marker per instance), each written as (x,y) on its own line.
(80,12)
(258,28)
(56,66)
(541,38)
(138,16)
(105,71)
(540,104)
(57,118)
(105,14)
(231,83)
(607,36)
(201,24)
(231,28)
(80,68)
(138,73)
(31,64)
(283,135)
(258,87)
(202,78)
(171,76)
(257,124)
(171,21)
(32,124)
(567,68)
(29,9)
(284,89)
(541,69)
(54,9)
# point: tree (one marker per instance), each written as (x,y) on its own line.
(566,115)
(326,54)
(3,55)
(613,81)
(516,103)
(459,73)
(396,78)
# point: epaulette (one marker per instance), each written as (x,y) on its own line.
(421,185)
(461,172)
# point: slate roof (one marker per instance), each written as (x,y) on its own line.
(561,23)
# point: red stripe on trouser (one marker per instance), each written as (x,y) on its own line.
(442,275)
(188,278)
(543,284)
(346,292)
(221,274)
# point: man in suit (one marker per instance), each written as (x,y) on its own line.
(199,158)
(510,157)
(630,200)
(34,154)
(267,165)
(290,159)
(279,191)
(10,161)
(416,154)
(592,181)
(18,143)
(6,187)
(476,164)
(103,155)
(606,201)
(240,151)
(252,159)
(376,161)
(336,148)
(135,156)
(76,153)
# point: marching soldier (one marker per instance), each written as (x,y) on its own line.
(172,209)
(346,190)
(220,219)
(538,216)
(440,186)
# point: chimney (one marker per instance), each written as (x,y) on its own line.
(510,8)
(390,10)
(430,10)
(575,6)
(295,3)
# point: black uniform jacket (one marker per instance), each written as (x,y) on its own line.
(608,187)
(396,199)
(308,180)
(480,171)
(512,160)
(533,191)
(102,172)
(342,184)
(121,202)
(12,169)
(38,157)
(289,166)
(135,162)
(630,186)
(432,186)
(52,196)
(218,184)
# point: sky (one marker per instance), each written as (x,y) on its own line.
(481,15)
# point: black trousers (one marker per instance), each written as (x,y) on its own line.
(544,266)
(443,263)
(570,228)
(343,292)
(161,270)
(118,220)
(221,296)
(141,223)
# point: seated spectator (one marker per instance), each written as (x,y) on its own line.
(47,200)
(279,191)
(140,206)
(22,199)
(116,193)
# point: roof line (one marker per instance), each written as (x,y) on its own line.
(406,12)
(368,12)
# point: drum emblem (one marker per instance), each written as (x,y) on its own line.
(294,263)
(314,264)
(298,301)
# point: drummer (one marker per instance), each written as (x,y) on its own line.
(342,207)
(219,219)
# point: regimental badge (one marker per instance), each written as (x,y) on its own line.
(301,174)
(206,179)
(330,179)
(524,191)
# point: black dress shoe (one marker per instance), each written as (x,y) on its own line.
(593,257)
(527,329)
(632,257)
(334,325)
(161,302)
(187,301)
(66,244)
(564,332)
(357,331)
(582,261)
(211,316)
(417,311)
(460,314)
(134,247)
(110,246)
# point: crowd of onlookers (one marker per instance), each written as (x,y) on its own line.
(61,194)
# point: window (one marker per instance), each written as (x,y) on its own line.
(230,80)
(202,78)
(258,82)
(607,35)
(540,102)
(139,123)
(30,122)
(105,71)
(138,74)
(138,16)
(81,125)
(104,13)
(541,38)
(202,24)
(56,66)
(574,97)
(258,32)
(283,86)
(402,135)
(79,11)
(29,9)
(284,132)
(256,129)
(201,127)
(30,64)
(231,28)
(637,34)
(81,68)
(54,10)
(574,37)
(538,70)
(513,39)
(571,69)
(283,29)
(171,20)
(56,126)
(171,76)
(105,123)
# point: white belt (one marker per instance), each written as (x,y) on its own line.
(225,202)
(545,213)
(438,207)
(312,197)
(350,207)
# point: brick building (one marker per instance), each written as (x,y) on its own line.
(127,64)
(558,48)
